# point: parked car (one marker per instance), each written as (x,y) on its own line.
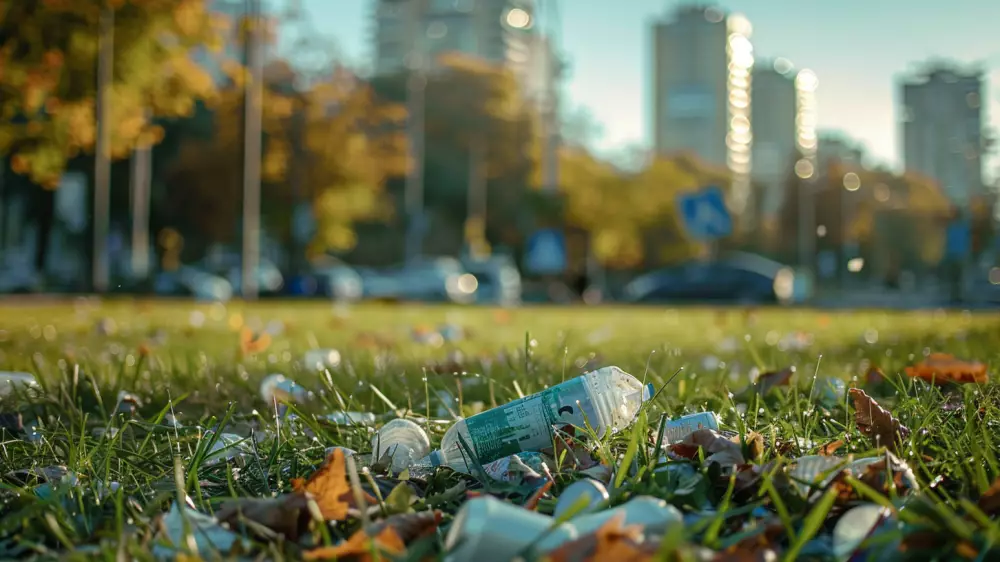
(329,278)
(498,280)
(432,279)
(190,281)
(737,278)
(270,281)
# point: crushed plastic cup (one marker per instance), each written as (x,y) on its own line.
(277,388)
(815,471)
(516,467)
(654,515)
(608,399)
(319,359)
(676,430)
(486,528)
(582,496)
(14,382)
(404,441)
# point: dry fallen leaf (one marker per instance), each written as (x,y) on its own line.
(569,452)
(876,422)
(330,488)
(716,446)
(767,382)
(409,526)
(251,343)
(360,546)
(532,502)
(287,515)
(612,541)
(943,368)
(989,502)
(831,447)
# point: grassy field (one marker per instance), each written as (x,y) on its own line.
(124,463)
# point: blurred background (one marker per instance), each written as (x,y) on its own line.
(502,151)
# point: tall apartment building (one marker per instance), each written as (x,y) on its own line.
(499,31)
(784,128)
(942,120)
(702,60)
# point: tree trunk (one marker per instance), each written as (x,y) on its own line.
(44,211)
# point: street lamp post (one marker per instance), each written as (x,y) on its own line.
(102,156)
(252,153)
(416,104)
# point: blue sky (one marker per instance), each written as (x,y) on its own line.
(858,48)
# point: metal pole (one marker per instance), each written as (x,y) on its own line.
(416,91)
(550,107)
(141,172)
(102,156)
(475,231)
(252,154)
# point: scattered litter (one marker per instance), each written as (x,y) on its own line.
(678,429)
(856,525)
(404,441)
(320,359)
(277,388)
(14,382)
(582,496)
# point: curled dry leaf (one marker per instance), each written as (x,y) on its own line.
(286,515)
(767,382)
(943,368)
(989,502)
(876,422)
(831,447)
(360,547)
(536,496)
(569,452)
(330,488)
(717,448)
(612,541)
(409,527)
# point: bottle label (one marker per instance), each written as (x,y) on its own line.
(676,430)
(526,424)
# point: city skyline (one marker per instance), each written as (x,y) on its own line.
(859,81)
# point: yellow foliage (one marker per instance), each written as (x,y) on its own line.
(53,71)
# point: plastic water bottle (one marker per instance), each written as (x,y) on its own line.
(676,430)
(277,388)
(403,440)
(608,399)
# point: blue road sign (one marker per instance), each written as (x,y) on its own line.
(704,214)
(958,239)
(546,252)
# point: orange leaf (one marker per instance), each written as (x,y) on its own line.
(532,502)
(251,343)
(330,488)
(360,546)
(875,421)
(942,368)
(989,502)
(831,447)
(612,541)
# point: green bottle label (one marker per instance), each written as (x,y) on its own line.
(526,424)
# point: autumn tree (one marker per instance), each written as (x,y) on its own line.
(48,61)
(333,146)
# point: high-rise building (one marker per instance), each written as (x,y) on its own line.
(702,59)
(784,128)
(836,147)
(499,31)
(942,120)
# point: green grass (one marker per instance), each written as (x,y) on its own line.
(184,359)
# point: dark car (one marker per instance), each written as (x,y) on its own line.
(740,278)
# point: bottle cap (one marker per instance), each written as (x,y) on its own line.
(648,392)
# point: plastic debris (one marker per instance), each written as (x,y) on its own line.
(11,382)
(486,528)
(608,399)
(228,446)
(350,418)
(676,430)
(652,514)
(319,359)
(207,534)
(529,465)
(815,471)
(403,440)
(582,496)
(855,526)
(451,332)
(277,388)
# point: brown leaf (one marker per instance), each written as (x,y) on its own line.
(409,527)
(330,487)
(251,343)
(612,541)
(286,515)
(767,382)
(831,447)
(876,422)
(758,546)
(989,502)
(942,368)
(360,546)
(717,448)
(532,502)
(569,452)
